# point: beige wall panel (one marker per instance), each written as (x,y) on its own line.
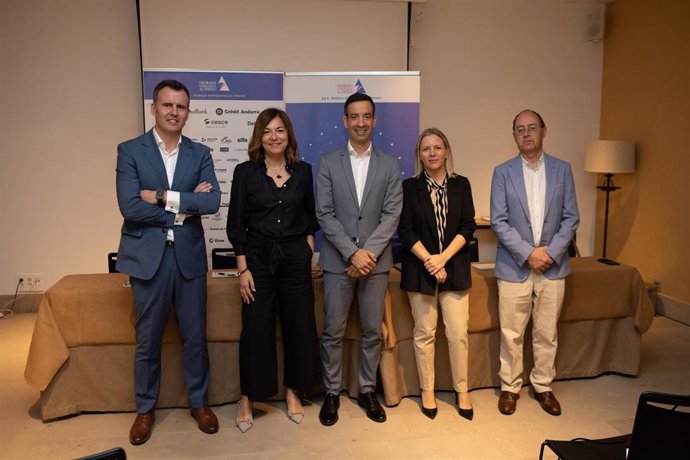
(646,98)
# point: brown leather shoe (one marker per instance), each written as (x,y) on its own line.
(548,402)
(507,402)
(206,419)
(142,428)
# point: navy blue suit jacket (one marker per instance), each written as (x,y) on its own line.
(140,167)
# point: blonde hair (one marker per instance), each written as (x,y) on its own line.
(419,166)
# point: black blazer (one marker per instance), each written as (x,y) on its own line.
(418,223)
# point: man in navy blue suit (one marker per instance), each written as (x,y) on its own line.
(165,182)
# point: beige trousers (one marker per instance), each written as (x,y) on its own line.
(542,299)
(455,311)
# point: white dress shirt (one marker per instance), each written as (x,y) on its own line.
(360,168)
(535,186)
(172,201)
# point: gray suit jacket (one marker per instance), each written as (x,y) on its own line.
(347,226)
(510,218)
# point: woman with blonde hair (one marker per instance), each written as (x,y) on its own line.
(436,226)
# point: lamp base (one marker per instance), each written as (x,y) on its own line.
(608,262)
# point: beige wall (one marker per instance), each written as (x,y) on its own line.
(484,61)
(646,98)
(70,91)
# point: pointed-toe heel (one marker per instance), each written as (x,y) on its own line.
(296,417)
(466,413)
(243,425)
(431,413)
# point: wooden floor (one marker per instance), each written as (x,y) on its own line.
(592,408)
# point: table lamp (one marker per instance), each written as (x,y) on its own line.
(609,158)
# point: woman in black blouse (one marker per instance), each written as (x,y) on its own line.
(271,225)
(436,225)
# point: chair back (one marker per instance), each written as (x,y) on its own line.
(223,258)
(662,427)
(473,248)
(112,260)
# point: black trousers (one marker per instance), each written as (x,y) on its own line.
(282,277)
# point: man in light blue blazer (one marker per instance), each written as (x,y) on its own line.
(165,182)
(534,216)
(358,205)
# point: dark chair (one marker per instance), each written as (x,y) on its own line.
(573,251)
(473,247)
(223,258)
(118,453)
(661,431)
(112,260)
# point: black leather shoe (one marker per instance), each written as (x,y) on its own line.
(328,414)
(431,413)
(374,410)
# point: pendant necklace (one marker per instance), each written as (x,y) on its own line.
(276,171)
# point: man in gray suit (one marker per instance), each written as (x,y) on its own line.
(165,182)
(534,216)
(358,204)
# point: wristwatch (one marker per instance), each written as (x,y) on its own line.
(160,197)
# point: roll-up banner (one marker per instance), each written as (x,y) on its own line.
(225,104)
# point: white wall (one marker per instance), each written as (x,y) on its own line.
(484,61)
(70,91)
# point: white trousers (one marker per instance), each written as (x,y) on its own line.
(542,299)
(455,311)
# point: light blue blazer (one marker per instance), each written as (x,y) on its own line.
(510,218)
(145,226)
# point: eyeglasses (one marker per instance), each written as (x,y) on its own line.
(520,130)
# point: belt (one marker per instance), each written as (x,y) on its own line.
(169,243)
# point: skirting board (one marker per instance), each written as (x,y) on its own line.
(673,308)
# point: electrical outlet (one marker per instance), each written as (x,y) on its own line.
(29,282)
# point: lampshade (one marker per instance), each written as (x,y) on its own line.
(616,157)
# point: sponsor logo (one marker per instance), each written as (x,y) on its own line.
(219,111)
(216,240)
(225,149)
(234,160)
(226,140)
(198,111)
(250,123)
(241,139)
(217,160)
(224,204)
(221,170)
(216,228)
(222,85)
(222,182)
(209,139)
(359,87)
(209,122)
(208,85)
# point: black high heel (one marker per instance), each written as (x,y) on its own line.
(431,413)
(464,413)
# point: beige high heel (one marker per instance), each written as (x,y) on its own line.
(243,425)
(296,417)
